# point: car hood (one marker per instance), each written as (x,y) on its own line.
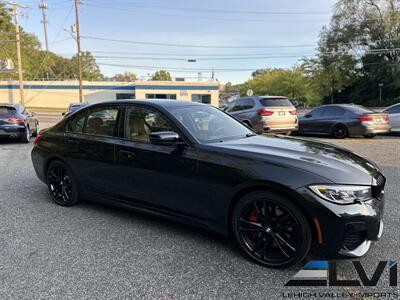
(335,164)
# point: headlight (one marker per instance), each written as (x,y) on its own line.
(342,194)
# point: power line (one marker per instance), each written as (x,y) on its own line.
(196,9)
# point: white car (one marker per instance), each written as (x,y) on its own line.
(394,117)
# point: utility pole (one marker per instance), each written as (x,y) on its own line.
(78,44)
(43,6)
(15,7)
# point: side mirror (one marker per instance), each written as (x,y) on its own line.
(164,138)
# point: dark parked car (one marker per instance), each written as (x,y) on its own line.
(343,120)
(278,197)
(73,107)
(16,122)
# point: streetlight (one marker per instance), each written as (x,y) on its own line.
(380,92)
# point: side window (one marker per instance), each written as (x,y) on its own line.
(317,112)
(140,122)
(75,125)
(239,104)
(102,121)
(334,111)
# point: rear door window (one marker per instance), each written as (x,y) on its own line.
(76,124)
(275,102)
(102,121)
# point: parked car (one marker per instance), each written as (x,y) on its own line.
(265,113)
(394,117)
(343,120)
(277,196)
(73,107)
(16,122)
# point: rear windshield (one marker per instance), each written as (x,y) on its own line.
(276,102)
(5,110)
(358,109)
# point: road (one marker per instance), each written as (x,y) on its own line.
(94,251)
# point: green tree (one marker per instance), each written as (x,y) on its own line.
(161,75)
(91,70)
(126,76)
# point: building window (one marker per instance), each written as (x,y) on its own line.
(122,96)
(161,96)
(201,98)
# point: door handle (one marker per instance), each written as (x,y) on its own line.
(126,154)
(73,142)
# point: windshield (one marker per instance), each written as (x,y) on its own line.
(5,110)
(210,125)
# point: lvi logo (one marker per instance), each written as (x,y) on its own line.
(322,273)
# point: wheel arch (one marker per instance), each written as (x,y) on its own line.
(290,194)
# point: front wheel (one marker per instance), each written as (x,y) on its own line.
(61,183)
(270,229)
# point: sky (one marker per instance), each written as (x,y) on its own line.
(231,37)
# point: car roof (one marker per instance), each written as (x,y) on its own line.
(153,102)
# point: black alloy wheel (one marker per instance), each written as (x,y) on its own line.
(339,131)
(61,183)
(271,230)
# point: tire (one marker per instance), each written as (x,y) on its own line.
(63,188)
(270,230)
(35,133)
(27,135)
(340,131)
(370,136)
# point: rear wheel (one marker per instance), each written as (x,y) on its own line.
(270,229)
(340,131)
(26,137)
(61,183)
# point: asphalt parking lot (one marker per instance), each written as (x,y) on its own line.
(93,251)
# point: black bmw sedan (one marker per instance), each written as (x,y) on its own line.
(16,122)
(278,197)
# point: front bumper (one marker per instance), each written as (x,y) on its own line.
(345,230)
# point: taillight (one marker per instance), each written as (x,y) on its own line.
(37,138)
(293,112)
(265,112)
(386,118)
(365,119)
(14,120)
